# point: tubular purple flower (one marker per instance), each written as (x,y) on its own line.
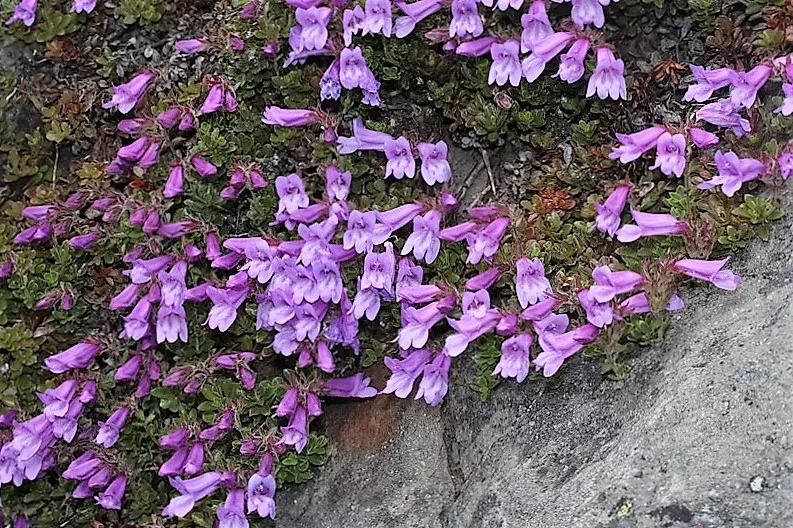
(650,224)
(191,491)
(785,162)
(485,242)
(531,285)
(82,467)
(110,499)
(405,372)
(353,22)
(109,431)
(25,12)
(194,462)
(571,64)
(356,386)
(76,357)
(435,380)
(232,513)
(414,13)
(536,26)
(725,114)
(609,284)
(7,268)
(353,71)
(514,362)
(558,347)
(466,21)
(135,150)
(289,117)
(709,270)
(483,280)
(296,431)
(401,162)
(177,229)
(417,323)
(214,99)
(702,138)
(362,139)
(506,63)
(379,270)
(191,46)
(543,51)
(598,313)
(38,213)
(150,156)
(787,104)
(225,304)
(745,85)
(261,490)
(132,126)
(170,117)
(733,172)
(313,26)
(608,220)
(378,17)
(475,48)
(127,96)
(632,146)
(708,81)
(204,168)
(174,186)
(608,79)
(129,370)
(424,242)
(175,439)
(671,154)
(435,167)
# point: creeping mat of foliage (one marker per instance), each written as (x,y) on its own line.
(219,218)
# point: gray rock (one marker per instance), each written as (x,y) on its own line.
(697,418)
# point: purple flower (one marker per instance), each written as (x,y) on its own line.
(725,114)
(608,220)
(702,138)
(84,242)
(129,370)
(289,117)
(136,323)
(745,85)
(204,168)
(110,499)
(353,71)
(169,117)
(337,184)
(191,46)
(379,269)
(571,64)
(191,491)
(609,284)
(291,193)
(506,63)
(296,431)
(708,81)
(531,285)
(435,167)
(608,79)
(733,172)
(414,13)
(787,104)
(543,51)
(177,229)
(650,224)
(56,401)
(171,324)
(356,386)
(640,303)
(503,5)
(536,26)
(329,84)
(475,48)
(313,26)
(194,462)
(466,21)
(709,270)
(435,380)
(598,313)
(514,362)
(558,347)
(378,17)
(76,357)
(671,154)
(110,430)
(362,139)
(483,280)
(485,242)
(25,11)
(401,162)
(225,304)
(173,466)
(634,145)
(127,96)
(405,372)
(785,162)
(214,99)
(174,185)
(424,241)
(353,22)
(417,323)
(261,490)
(7,267)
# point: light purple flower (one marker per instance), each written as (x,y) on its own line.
(401,162)
(174,185)
(24,11)
(531,285)
(543,51)
(362,139)
(296,431)
(503,5)
(356,386)
(330,85)
(291,193)
(76,357)
(558,347)
(608,79)
(483,280)
(609,284)
(191,46)
(632,146)
(787,104)
(110,499)
(353,71)
(708,81)
(709,270)
(475,48)
(232,513)
(353,22)
(745,85)
(225,304)
(506,63)
(313,26)
(671,154)
(127,96)
(514,362)
(485,242)
(785,162)
(536,26)
(702,138)
(725,114)
(84,242)
(414,13)
(571,64)
(435,380)
(261,491)
(598,313)
(289,117)
(191,491)
(733,172)
(650,224)
(110,430)
(378,17)
(608,220)
(417,323)
(424,241)
(466,21)
(435,167)
(405,372)
(379,269)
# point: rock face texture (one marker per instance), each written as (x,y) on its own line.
(700,433)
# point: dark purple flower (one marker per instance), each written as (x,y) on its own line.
(110,499)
